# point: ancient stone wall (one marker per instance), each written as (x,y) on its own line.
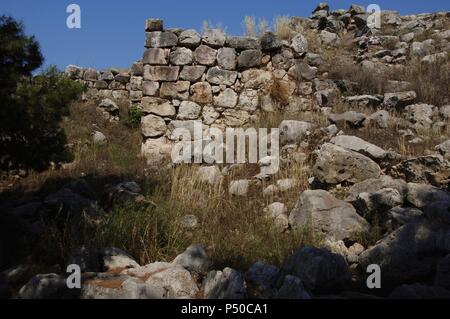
(219,79)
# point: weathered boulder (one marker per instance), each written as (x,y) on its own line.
(226,58)
(227,99)
(189,38)
(336,165)
(292,288)
(359,145)
(350,118)
(444,149)
(257,79)
(161,73)
(153,126)
(114,258)
(192,73)
(249,59)
(218,76)
(235,118)
(299,44)
(431,169)
(176,280)
(248,100)
(50,286)
(399,100)
(422,195)
(150,88)
(201,92)
(194,259)
(409,254)
(205,55)
(261,278)
(337,219)
(292,132)
(155,150)
(159,39)
(226,284)
(420,115)
(175,90)
(242,43)
(214,37)
(157,106)
(319,270)
(181,56)
(189,111)
(374,185)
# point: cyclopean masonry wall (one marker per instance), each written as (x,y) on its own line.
(224,81)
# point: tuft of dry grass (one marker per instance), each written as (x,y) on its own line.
(250,26)
(282,28)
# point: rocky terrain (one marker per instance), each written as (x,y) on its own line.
(364,116)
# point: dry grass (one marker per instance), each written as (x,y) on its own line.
(282,28)
(250,26)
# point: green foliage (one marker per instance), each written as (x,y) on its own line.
(134,116)
(32,107)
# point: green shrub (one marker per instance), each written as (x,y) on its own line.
(32,106)
(134,116)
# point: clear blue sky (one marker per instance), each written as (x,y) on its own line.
(112,33)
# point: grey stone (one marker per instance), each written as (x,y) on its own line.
(50,286)
(189,38)
(299,44)
(239,188)
(292,288)
(161,73)
(156,56)
(359,145)
(114,258)
(176,280)
(150,88)
(249,100)
(444,149)
(374,185)
(431,169)
(292,132)
(192,73)
(214,37)
(189,111)
(175,90)
(194,259)
(226,58)
(219,76)
(226,284)
(157,106)
(262,278)
(181,56)
(410,253)
(399,99)
(99,139)
(210,175)
(249,59)
(242,43)
(319,270)
(422,195)
(420,115)
(336,165)
(227,99)
(205,55)
(158,39)
(337,219)
(350,118)
(153,126)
